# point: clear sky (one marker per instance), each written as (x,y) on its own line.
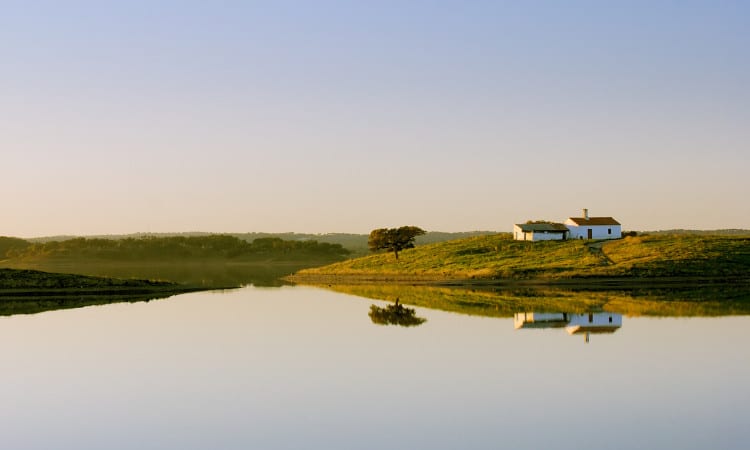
(344,116)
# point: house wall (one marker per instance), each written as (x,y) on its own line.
(542,236)
(598,231)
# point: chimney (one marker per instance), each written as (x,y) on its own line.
(586,213)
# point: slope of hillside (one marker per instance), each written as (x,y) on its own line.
(500,257)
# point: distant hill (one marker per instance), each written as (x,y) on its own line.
(175,248)
(356,243)
(724,232)
(10,243)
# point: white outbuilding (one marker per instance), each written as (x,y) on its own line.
(542,231)
(593,227)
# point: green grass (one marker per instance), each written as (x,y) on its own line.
(500,257)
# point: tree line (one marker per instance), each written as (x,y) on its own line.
(211,246)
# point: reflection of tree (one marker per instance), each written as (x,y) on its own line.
(395,314)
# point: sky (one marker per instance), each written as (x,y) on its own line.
(345,116)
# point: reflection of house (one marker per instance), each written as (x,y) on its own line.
(588,323)
(602,322)
(539,320)
(546,231)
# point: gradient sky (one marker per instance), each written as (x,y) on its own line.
(344,116)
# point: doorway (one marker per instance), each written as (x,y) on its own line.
(591,233)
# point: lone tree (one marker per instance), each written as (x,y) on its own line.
(393,239)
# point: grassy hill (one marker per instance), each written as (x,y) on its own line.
(499,257)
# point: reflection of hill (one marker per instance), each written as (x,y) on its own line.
(32,305)
(712,301)
(30,291)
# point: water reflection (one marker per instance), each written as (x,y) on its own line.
(294,368)
(709,301)
(574,323)
(12,305)
(395,314)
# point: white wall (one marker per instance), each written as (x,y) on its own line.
(542,236)
(598,231)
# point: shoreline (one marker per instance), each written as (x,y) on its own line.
(124,291)
(572,283)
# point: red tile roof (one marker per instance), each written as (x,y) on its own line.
(594,221)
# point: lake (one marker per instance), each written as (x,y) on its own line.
(307,368)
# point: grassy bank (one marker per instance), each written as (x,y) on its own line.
(23,283)
(499,257)
(33,291)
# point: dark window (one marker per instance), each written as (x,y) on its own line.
(591,317)
(610,319)
(609,230)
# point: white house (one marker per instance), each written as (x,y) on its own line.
(593,227)
(540,232)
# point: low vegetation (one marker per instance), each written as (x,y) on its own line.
(499,257)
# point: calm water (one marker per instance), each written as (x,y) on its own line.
(306,368)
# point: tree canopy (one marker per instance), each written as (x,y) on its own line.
(175,247)
(393,239)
